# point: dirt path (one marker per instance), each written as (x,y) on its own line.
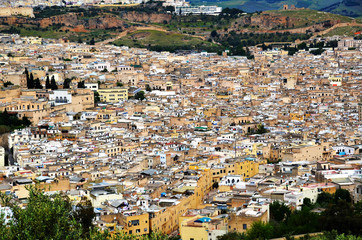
(133,29)
(351,24)
(297,30)
(122,34)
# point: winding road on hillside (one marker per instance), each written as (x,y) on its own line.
(133,29)
(351,24)
(296,30)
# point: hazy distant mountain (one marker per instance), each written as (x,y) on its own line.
(345,7)
(352,8)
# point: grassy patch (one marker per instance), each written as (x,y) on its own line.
(54,32)
(42,34)
(165,41)
(308,17)
(348,31)
(199,24)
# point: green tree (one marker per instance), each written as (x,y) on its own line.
(9,122)
(232,236)
(303,221)
(358,208)
(302,45)
(37,84)
(324,199)
(140,95)
(47,83)
(81,84)
(26,72)
(25,121)
(261,129)
(279,211)
(260,230)
(307,202)
(52,216)
(318,51)
(44,217)
(30,83)
(84,214)
(53,84)
(342,194)
(215,185)
(66,83)
(8,83)
(333,235)
(97,99)
(214,34)
(341,216)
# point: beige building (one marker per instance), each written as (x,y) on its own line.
(29,107)
(16,79)
(113,94)
(9,11)
(310,153)
(242,220)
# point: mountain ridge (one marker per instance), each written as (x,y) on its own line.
(351,8)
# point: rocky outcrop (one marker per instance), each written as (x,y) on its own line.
(266,21)
(104,21)
(70,19)
(146,17)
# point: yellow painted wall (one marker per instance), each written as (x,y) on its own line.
(113,94)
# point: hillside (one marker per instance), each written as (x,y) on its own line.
(164,41)
(150,26)
(308,17)
(344,31)
(350,8)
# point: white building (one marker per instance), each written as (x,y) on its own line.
(92,86)
(21,135)
(197,10)
(294,198)
(100,66)
(230,180)
(2,157)
(59,97)
(344,150)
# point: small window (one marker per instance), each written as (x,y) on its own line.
(245,226)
